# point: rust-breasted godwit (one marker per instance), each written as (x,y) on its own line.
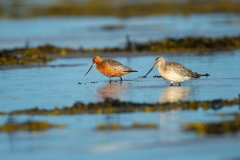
(173,72)
(110,68)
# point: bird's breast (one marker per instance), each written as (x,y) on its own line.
(171,75)
(109,71)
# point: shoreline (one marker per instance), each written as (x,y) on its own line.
(41,55)
(119,9)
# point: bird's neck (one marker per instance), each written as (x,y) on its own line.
(98,61)
(162,64)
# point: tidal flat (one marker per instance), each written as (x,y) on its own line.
(138,118)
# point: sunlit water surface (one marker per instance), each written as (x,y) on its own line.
(48,86)
(91,31)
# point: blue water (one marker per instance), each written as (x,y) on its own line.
(48,86)
(88,31)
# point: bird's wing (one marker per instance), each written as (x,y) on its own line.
(117,66)
(180,69)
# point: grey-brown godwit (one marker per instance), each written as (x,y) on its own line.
(173,71)
(110,68)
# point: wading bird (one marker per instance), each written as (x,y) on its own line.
(173,72)
(110,68)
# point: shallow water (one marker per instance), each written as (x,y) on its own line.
(48,86)
(80,139)
(89,31)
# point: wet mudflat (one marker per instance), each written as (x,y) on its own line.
(62,83)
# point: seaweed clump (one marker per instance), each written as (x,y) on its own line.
(223,127)
(28,126)
(34,55)
(46,53)
(135,125)
(2,113)
(186,44)
(110,106)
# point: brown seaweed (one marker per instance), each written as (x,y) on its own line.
(110,106)
(28,126)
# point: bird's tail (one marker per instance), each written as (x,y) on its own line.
(196,75)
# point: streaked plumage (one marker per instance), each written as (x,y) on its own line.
(110,68)
(116,65)
(173,71)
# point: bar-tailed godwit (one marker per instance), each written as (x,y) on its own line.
(173,72)
(110,68)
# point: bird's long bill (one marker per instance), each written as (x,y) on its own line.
(89,69)
(151,69)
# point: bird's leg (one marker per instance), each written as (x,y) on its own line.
(179,84)
(120,78)
(110,80)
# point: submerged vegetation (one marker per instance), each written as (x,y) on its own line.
(222,127)
(2,113)
(135,125)
(110,106)
(46,53)
(19,9)
(28,126)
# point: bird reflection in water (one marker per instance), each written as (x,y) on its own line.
(174,94)
(115,91)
